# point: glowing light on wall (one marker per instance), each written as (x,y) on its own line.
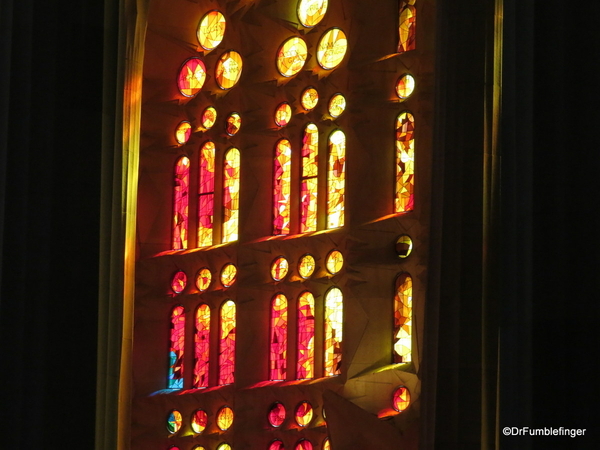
(231,195)
(202,346)
(305,366)
(401,399)
(211,30)
(311,12)
(183,132)
(181,199)
(175,377)
(228,275)
(332,48)
(179,282)
(203,279)
(309,98)
(334,316)
(279,268)
(191,78)
(206,194)
(408,26)
(282,186)
(403,319)
(209,117)
(291,56)
(276,414)
(229,69)
(309,181)
(278,338)
(337,105)
(306,266)
(225,418)
(227,343)
(303,414)
(334,262)
(174,422)
(234,123)
(199,421)
(405,162)
(336,180)
(405,86)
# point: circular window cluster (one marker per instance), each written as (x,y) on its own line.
(199,420)
(306,265)
(227,276)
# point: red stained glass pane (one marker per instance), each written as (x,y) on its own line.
(305,367)
(192,76)
(277,414)
(403,319)
(199,421)
(401,399)
(276,445)
(227,343)
(225,418)
(206,197)
(203,279)
(202,346)
(231,195)
(181,203)
(309,184)
(283,114)
(336,180)
(282,185)
(304,414)
(229,69)
(408,26)
(303,444)
(176,348)
(279,268)
(405,162)
(334,315)
(183,132)
(179,282)
(278,338)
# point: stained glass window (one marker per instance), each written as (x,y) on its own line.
(337,105)
(227,343)
(336,179)
(332,48)
(192,76)
(303,444)
(199,421)
(234,123)
(179,282)
(309,98)
(291,56)
(278,338)
(228,275)
(283,114)
(206,194)
(224,446)
(209,117)
(276,414)
(405,162)
(309,182)
(276,445)
(311,12)
(231,195)
(326,444)
(181,203)
(334,262)
(198,447)
(175,380)
(306,266)
(303,414)
(403,319)
(305,366)
(229,69)
(408,26)
(334,316)
(401,399)
(404,246)
(405,86)
(202,346)
(279,268)
(174,421)
(225,418)
(282,185)
(203,279)
(183,132)
(211,30)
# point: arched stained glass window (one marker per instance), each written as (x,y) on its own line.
(278,338)
(403,319)
(305,367)
(408,26)
(202,346)
(211,30)
(231,195)
(405,162)
(181,191)
(334,315)
(175,380)
(206,194)
(336,180)
(227,343)
(282,186)
(309,182)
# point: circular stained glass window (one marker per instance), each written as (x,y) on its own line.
(211,30)
(209,117)
(179,282)
(404,246)
(192,76)
(326,444)
(224,446)
(283,114)
(234,122)
(276,445)
(198,447)
(229,69)
(306,266)
(203,279)
(401,399)
(309,98)
(174,422)
(311,12)
(291,56)
(334,262)
(337,105)
(225,418)
(199,421)
(228,275)
(405,86)
(279,268)
(304,414)
(332,48)
(277,414)
(183,132)
(303,444)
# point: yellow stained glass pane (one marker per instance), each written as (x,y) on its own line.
(209,117)
(283,114)
(203,279)
(334,262)
(337,105)
(291,56)
(279,268)
(228,274)
(229,69)
(234,122)
(336,180)
(332,48)
(405,86)
(211,30)
(309,98)
(407,28)
(311,12)
(192,76)
(306,266)
(183,132)
(225,418)
(404,246)
(224,446)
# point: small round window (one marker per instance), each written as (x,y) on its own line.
(276,445)
(332,48)
(334,262)
(225,418)
(309,98)
(228,275)
(191,78)
(283,114)
(304,414)
(277,414)
(401,398)
(404,246)
(209,117)
(234,122)
(311,12)
(337,105)
(211,30)
(183,132)
(405,86)
(199,421)
(174,422)
(306,266)
(203,279)
(303,444)
(291,56)
(229,69)
(279,268)
(179,282)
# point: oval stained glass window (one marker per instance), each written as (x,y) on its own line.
(332,48)
(276,414)
(304,414)
(211,30)
(401,398)
(199,421)
(203,279)
(279,268)
(191,78)
(228,275)
(179,282)
(229,69)
(404,246)
(174,421)
(306,266)
(183,132)
(334,262)
(209,117)
(224,446)
(405,86)
(337,105)
(311,12)
(276,445)
(291,56)
(303,444)
(309,98)
(326,444)
(234,122)
(225,418)
(283,114)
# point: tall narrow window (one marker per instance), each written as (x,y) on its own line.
(227,343)
(181,188)
(282,185)
(403,319)
(309,182)
(202,346)
(336,180)
(206,194)
(334,315)
(405,162)
(231,195)
(278,338)
(408,26)
(175,380)
(305,367)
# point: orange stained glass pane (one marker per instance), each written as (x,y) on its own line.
(332,48)
(334,315)
(203,279)
(334,262)
(192,76)
(225,418)
(174,421)
(405,163)
(305,366)
(404,246)
(283,114)
(403,319)
(211,30)
(309,181)
(276,414)
(175,380)
(405,86)
(206,194)
(337,105)
(282,186)
(291,56)
(304,414)
(311,12)
(276,445)
(181,203)
(228,275)
(199,421)
(227,343)
(183,132)
(303,444)
(231,195)
(279,268)
(202,346)
(179,282)
(309,98)
(401,398)
(306,266)
(234,123)
(209,117)
(408,26)
(278,338)
(229,69)
(336,179)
